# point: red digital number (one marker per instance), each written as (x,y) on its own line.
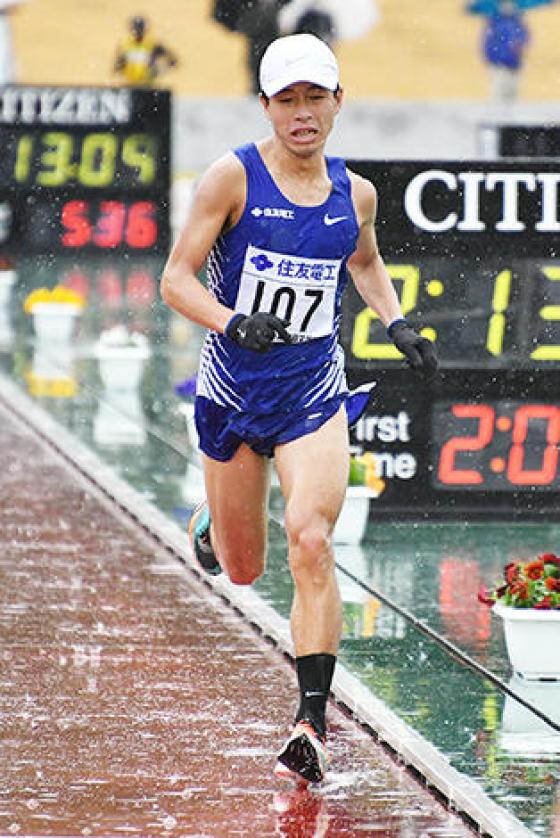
(136,225)
(546,474)
(447,472)
(141,230)
(75,221)
(110,224)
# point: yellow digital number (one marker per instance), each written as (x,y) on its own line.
(361,346)
(139,152)
(497,323)
(56,159)
(22,166)
(552,351)
(97,164)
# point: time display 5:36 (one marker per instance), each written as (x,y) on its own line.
(95,160)
(94,225)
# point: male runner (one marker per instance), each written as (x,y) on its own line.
(280,226)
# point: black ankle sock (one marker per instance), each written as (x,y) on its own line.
(315,674)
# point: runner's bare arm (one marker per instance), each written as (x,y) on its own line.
(217,205)
(366,266)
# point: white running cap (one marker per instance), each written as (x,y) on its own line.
(295,58)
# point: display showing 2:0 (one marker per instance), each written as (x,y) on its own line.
(496,445)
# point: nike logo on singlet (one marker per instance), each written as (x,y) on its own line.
(330,221)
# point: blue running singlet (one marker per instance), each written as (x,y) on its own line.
(288,260)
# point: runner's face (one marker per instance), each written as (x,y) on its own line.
(302,116)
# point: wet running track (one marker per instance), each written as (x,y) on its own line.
(134,701)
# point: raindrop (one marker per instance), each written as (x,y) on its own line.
(169,822)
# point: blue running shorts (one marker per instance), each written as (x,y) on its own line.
(221,430)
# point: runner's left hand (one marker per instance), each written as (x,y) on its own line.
(420,353)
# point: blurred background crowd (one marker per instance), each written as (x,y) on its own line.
(389,49)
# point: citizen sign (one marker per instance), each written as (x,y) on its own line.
(64,106)
(468,192)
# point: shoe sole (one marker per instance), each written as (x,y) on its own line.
(302,759)
(282,772)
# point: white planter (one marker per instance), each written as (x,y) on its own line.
(54,322)
(120,420)
(6,329)
(121,367)
(522,731)
(52,371)
(54,363)
(532,641)
(7,279)
(352,521)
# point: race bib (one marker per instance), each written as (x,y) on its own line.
(293,288)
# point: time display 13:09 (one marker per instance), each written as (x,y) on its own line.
(94,160)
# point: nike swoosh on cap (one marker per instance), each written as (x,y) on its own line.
(330,221)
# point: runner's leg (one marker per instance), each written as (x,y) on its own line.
(313,473)
(237,493)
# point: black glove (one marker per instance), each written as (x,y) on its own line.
(420,353)
(257,331)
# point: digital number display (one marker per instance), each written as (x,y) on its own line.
(92,160)
(472,249)
(477,443)
(114,223)
(494,314)
(84,168)
(473,253)
(499,446)
(92,225)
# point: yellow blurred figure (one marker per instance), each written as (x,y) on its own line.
(140,59)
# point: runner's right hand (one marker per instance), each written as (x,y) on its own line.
(257,331)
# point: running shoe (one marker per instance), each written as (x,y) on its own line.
(304,756)
(199,534)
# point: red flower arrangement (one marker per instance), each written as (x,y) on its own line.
(534,584)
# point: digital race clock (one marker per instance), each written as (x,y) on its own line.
(473,250)
(84,169)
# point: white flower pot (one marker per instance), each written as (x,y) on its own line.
(52,371)
(6,329)
(121,367)
(120,420)
(54,322)
(352,521)
(54,363)
(522,731)
(532,641)
(7,279)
